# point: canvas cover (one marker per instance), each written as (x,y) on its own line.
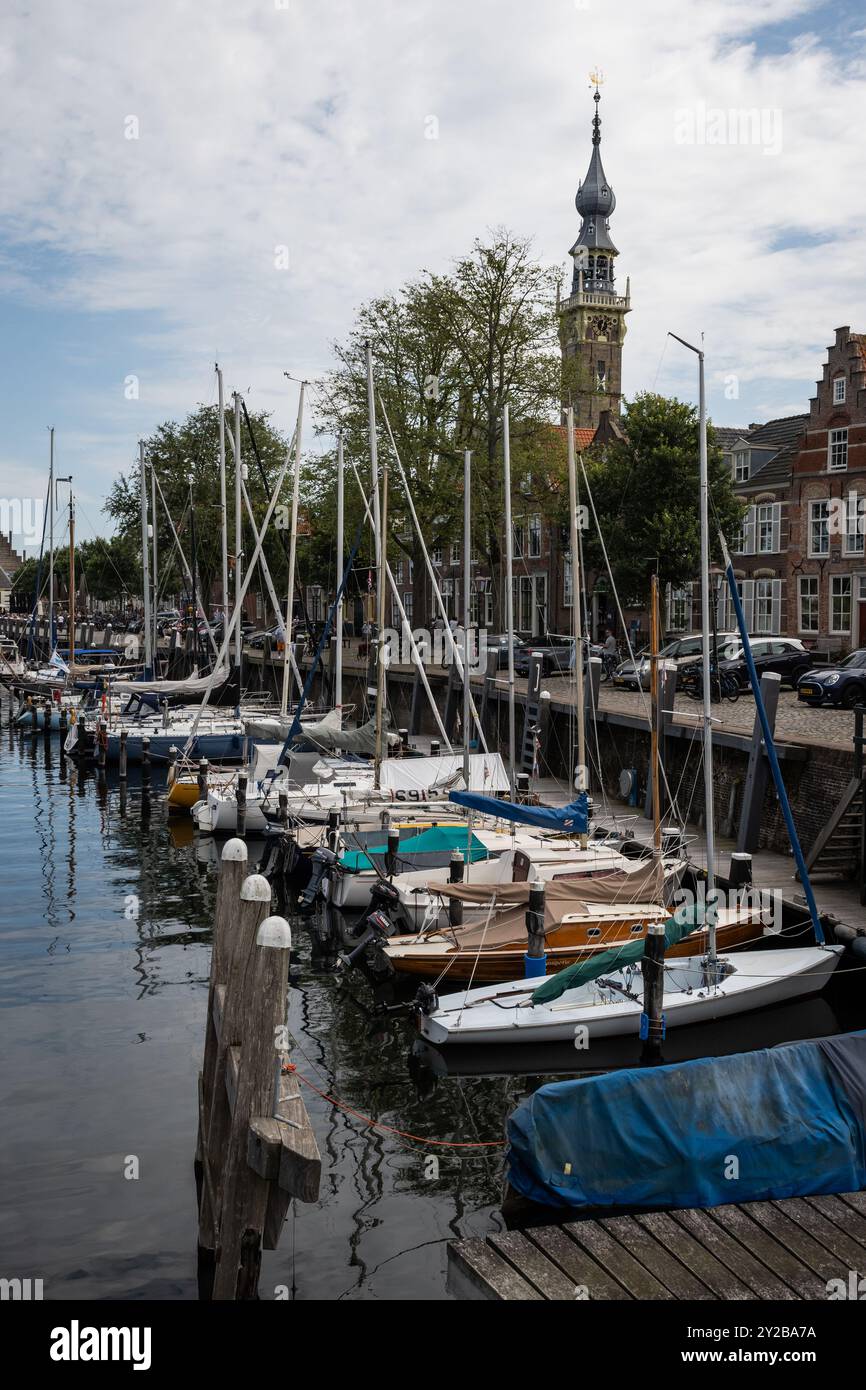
(435,776)
(794,1116)
(563,820)
(193,685)
(436,843)
(562,898)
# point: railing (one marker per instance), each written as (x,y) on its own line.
(596,298)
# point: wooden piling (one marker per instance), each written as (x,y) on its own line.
(202,779)
(122,755)
(256,1146)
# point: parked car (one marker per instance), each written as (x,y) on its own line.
(498,642)
(785,655)
(684,651)
(843,684)
(557,654)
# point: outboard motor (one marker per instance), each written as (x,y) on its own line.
(374,928)
(321,863)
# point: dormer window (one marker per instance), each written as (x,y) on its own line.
(839,390)
(742,465)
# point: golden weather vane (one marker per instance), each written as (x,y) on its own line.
(596,78)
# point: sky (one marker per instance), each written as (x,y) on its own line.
(182,183)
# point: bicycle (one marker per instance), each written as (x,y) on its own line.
(723,684)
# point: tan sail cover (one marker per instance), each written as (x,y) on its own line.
(563,897)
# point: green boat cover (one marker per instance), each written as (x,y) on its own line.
(684,921)
(439,839)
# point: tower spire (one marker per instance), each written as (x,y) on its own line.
(592,319)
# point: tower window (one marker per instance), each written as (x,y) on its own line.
(601,375)
(601,268)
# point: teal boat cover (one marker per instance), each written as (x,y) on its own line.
(438,840)
(788,1121)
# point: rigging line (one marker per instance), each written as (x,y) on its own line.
(642,694)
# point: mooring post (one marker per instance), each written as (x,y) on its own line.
(652,1025)
(101,742)
(333,831)
(283,800)
(202,779)
(456,871)
(535,960)
(122,754)
(241,798)
(392,852)
(740,872)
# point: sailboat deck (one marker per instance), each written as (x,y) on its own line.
(786,1249)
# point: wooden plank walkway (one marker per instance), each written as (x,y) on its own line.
(787,1249)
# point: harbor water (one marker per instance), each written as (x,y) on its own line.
(105,920)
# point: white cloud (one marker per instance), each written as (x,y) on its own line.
(304,127)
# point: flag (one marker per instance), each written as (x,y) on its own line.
(58,662)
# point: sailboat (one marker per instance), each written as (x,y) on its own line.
(603,997)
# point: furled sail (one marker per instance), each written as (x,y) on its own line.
(567,820)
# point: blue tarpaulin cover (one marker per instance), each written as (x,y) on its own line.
(568,820)
(793,1117)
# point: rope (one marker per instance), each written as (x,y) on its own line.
(390,1129)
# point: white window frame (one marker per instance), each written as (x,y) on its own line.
(456,556)
(408,604)
(814,504)
(567,582)
(837,449)
(742,465)
(535,537)
(838,390)
(841,580)
(855,524)
(768,515)
(436,555)
(767,607)
(809,592)
(679,604)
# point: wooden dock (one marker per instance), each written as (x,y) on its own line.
(787,1249)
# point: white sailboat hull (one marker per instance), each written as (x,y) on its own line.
(503,1014)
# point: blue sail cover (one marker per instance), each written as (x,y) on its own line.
(563,820)
(793,1117)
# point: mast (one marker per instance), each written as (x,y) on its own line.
(467,610)
(654,727)
(239,540)
(338,652)
(380,621)
(145,565)
(374,455)
(705,654)
(293,549)
(580,778)
(194,562)
(51,544)
(71,580)
(223,510)
(155,570)
(509,598)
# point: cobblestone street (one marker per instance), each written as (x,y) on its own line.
(795,722)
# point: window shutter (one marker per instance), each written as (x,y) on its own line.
(777,530)
(749,533)
(749,604)
(776,609)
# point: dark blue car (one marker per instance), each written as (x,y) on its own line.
(843,685)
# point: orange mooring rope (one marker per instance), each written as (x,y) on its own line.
(375,1124)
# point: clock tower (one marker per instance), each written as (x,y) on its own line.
(592,318)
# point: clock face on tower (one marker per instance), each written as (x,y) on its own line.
(602,328)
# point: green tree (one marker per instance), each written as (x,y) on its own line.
(448,352)
(646,491)
(185,457)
